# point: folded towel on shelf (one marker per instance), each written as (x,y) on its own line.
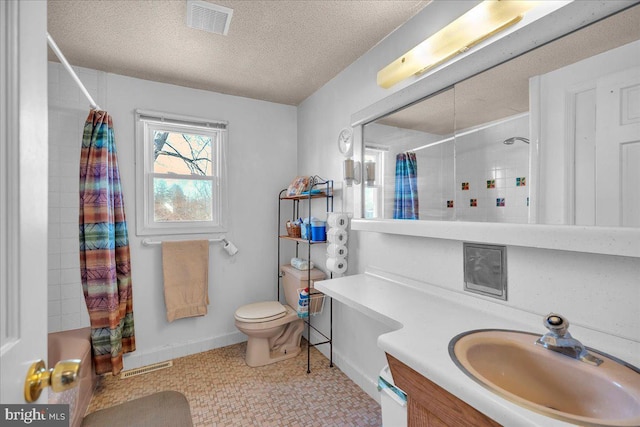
(301,264)
(185,266)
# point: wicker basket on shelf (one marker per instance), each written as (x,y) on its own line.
(293,230)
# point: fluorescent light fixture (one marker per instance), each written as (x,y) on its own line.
(483,21)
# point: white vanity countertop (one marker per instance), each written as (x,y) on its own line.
(426,318)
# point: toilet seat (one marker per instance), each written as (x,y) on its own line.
(259,312)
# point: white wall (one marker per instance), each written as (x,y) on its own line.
(599,292)
(261,161)
(320,118)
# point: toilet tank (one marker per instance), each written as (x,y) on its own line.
(294,279)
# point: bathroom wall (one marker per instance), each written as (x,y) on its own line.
(261,161)
(595,291)
(320,118)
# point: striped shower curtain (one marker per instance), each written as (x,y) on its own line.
(406,193)
(105,265)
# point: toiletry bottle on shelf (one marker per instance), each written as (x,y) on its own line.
(303,303)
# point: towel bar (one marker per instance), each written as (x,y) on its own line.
(228,246)
(149,242)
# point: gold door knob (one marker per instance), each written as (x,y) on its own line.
(62,377)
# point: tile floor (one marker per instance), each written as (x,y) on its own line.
(223,391)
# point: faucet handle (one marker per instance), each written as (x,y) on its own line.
(557,324)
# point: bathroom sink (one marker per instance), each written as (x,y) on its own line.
(510,364)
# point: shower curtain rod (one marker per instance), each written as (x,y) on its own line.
(63,60)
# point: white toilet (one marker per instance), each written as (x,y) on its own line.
(274,330)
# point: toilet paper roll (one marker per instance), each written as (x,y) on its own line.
(337,235)
(336,250)
(230,248)
(336,265)
(338,220)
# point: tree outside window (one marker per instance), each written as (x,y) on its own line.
(180,175)
(190,156)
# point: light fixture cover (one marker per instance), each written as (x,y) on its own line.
(481,22)
(369,173)
(351,172)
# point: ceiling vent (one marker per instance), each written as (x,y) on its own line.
(202,15)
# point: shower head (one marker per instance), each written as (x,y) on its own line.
(510,141)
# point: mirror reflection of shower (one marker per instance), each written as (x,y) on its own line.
(513,139)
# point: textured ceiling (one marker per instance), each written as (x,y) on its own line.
(279,51)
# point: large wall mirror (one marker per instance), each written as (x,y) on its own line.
(550,137)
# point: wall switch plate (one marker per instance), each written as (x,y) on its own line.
(485,269)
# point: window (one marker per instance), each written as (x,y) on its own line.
(180,174)
(374,195)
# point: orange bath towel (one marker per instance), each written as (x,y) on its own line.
(186,278)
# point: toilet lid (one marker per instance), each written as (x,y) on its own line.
(261,311)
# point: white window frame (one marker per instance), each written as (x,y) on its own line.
(146,123)
(377,154)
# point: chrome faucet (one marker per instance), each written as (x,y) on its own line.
(559,339)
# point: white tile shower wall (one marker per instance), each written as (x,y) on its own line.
(474,158)
(435,181)
(483,161)
(68,109)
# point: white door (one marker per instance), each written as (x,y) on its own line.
(23,194)
(618,149)
(587,115)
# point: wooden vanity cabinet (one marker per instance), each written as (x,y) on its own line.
(429,405)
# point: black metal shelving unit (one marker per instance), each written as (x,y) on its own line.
(318,189)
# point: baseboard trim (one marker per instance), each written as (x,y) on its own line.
(159,354)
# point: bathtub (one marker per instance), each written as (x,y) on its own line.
(74,344)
